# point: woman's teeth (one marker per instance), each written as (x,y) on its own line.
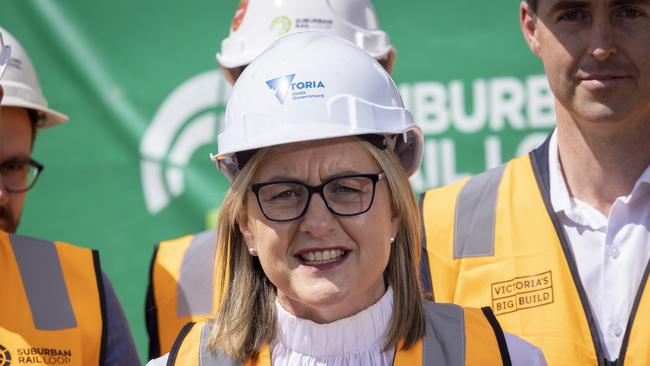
(322,256)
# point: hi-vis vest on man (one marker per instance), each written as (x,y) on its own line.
(181,288)
(454,336)
(52,306)
(495,240)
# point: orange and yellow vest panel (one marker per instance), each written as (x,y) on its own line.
(181,288)
(52,305)
(494,240)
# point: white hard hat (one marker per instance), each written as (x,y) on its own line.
(313,86)
(21,85)
(259,23)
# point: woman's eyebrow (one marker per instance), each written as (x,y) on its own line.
(342,174)
(289,178)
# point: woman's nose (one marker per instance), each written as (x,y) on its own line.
(318,219)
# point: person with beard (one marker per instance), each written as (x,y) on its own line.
(58,306)
(558,241)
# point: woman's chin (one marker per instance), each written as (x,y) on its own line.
(317,303)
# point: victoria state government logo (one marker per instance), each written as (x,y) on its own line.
(284,86)
(5,356)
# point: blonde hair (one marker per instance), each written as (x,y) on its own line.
(246,320)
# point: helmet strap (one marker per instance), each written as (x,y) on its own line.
(378,141)
(243,157)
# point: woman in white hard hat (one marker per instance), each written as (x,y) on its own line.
(255,26)
(319,233)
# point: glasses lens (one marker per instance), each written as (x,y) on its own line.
(283,201)
(19,176)
(349,196)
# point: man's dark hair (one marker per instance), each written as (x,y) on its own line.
(35,118)
(532,5)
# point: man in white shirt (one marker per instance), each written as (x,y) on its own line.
(558,242)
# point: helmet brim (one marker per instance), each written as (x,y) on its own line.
(409,148)
(52,117)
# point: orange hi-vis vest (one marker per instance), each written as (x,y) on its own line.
(53,310)
(454,336)
(181,288)
(495,240)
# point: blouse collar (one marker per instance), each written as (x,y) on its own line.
(354,334)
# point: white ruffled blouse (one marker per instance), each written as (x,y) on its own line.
(357,340)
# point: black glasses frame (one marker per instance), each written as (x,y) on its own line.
(318,189)
(34,164)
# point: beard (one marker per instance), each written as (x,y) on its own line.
(7,222)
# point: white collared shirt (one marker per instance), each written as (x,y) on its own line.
(611,252)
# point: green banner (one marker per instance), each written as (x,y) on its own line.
(145,99)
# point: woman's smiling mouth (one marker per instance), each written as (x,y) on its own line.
(322,258)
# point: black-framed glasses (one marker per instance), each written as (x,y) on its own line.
(347,195)
(20,175)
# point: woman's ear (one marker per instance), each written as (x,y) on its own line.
(247,232)
(395,221)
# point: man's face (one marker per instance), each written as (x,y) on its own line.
(596,54)
(15,145)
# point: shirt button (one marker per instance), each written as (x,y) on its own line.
(614,252)
(617,330)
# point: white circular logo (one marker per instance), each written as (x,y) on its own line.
(188,119)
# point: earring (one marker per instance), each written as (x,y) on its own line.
(392,240)
(252,251)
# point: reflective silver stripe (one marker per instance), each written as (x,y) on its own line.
(196,279)
(444,340)
(207,358)
(45,287)
(476,215)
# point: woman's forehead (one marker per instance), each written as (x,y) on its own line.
(317,159)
